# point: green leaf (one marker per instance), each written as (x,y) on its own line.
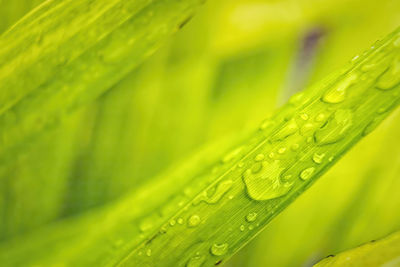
(206,212)
(66,53)
(384,252)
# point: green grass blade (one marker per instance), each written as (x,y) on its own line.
(384,252)
(206,213)
(302,140)
(66,53)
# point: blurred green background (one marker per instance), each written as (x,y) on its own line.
(225,71)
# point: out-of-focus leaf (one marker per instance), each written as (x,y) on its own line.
(384,252)
(67,53)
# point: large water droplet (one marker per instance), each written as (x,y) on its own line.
(251,217)
(318,158)
(307,173)
(219,249)
(335,129)
(338,92)
(220,191)
(266,183)
(391,77)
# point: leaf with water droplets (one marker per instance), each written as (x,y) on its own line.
(224,195)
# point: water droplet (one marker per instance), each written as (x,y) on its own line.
(251,217)
(338,92)
(304,116)
(306,129)
(251,227)
(335,128)
(282,150)
(180,221)
(391,77)
(320,117)
(295,147)
(148,252)
(371,126)
(220,191)
(219,249)
(271,155)
(265,184)
(242,228)
(289,129)
(307,173)
(317,158)
(194,220)
(195,261)
(172,222)
(331,159)
(256,167)
(287,177)
(259,157)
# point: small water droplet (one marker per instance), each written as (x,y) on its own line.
(256,167)
(391,77)
(251,227)
(148,252)
(295,147)
(259,157)
(318,158)
(195,261)
(287,177)
(371,126)
(242,228)
(266,183)
(251,217)
(172,222)
(194,220)
(180,221)
(338,92)
(307,173)
(219,249)
(320,117)
(271,155)
(306,129)
(282,150)
(304,116)
(331,159)
(335,128)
